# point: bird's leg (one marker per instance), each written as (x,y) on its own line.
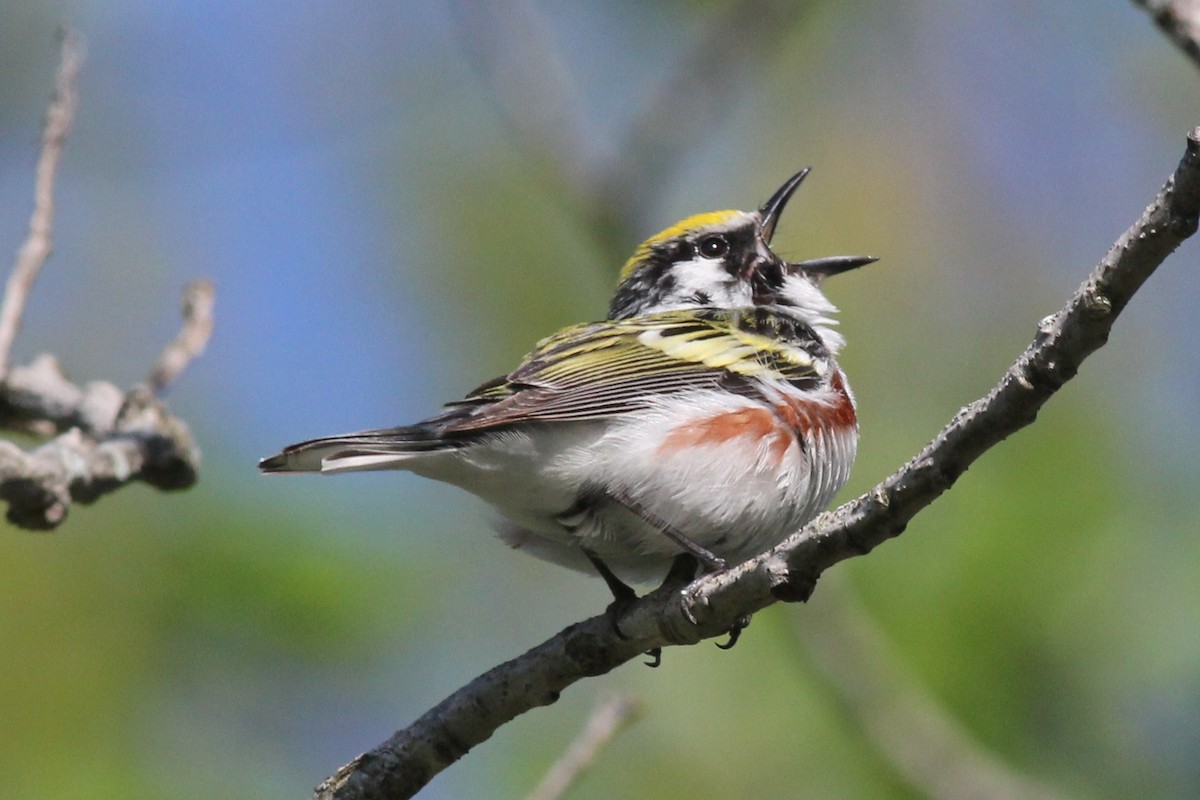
(685,564)
(623,594)
(735,631)
(683,570)
(623,598)
(711,561)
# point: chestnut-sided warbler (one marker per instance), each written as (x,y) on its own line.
(706,415)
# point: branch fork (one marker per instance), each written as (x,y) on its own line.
(104,438)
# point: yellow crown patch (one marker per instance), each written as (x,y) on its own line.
(710,219)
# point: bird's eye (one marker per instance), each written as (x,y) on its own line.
(713,246)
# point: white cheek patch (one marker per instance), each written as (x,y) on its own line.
(707,277)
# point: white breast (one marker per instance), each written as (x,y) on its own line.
(724,470)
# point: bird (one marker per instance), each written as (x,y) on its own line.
(705,417)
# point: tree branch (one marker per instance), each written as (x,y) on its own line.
(38,243)
(198,299)
(399,767)
(1180,21)
(105,438)
(119,438)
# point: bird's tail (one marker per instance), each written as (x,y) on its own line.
(388,448)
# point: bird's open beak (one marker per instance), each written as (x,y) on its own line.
(820,268)
(815,268)
(771,209)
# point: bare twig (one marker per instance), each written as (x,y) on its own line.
(198,299)
(105,438)
(399,767)
(1180,21)
(934,753)
(609,718)
(39,242)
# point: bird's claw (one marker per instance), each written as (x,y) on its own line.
(735,632)
(687,601)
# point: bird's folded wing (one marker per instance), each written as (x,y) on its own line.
(603,369)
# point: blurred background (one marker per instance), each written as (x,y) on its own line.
(396,199)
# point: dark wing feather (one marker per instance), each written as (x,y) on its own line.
(593,371)
(608,368)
